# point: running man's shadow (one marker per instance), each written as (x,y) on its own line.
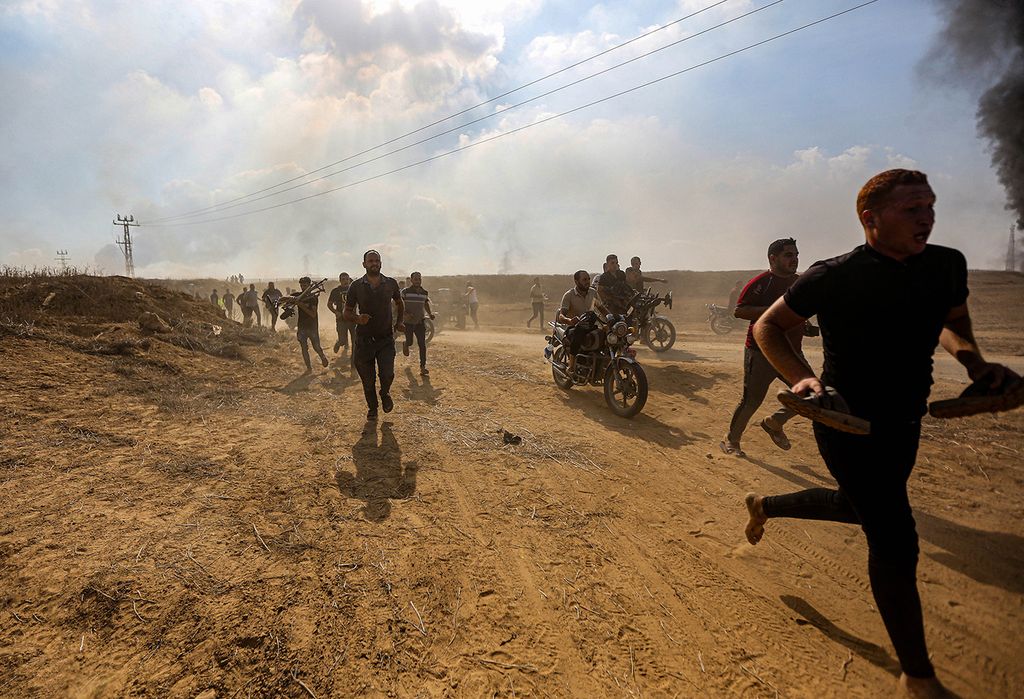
(424,391)
(296,385)
(991,558)
(876,655)
(380,476)
(340,378)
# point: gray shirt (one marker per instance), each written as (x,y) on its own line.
(574,303)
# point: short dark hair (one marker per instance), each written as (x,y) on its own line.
(413,274)
(611,257)
(778,245)
(370,252)
(305,279)
(576,276)
(876,190)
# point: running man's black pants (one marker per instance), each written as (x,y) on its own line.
(375,355)
(305,338)
(872,472)
(758,374)
(419,331)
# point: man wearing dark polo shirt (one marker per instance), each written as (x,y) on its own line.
(884,379)
(373,294)
(758,373)
(612,287)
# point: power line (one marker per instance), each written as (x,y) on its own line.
(450,116)
(126,243)
(532,124)
(253,198)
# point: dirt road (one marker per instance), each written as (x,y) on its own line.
(181,525)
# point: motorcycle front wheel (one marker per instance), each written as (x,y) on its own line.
(721,326)
(560,377)
(625,388)
(660,334)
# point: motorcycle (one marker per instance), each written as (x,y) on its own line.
(721,319)
(656,331)
(605,358)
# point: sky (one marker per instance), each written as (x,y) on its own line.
(161,109)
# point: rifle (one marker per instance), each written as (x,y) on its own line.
(314,289)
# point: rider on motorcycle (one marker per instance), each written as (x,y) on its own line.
(613,289)
(635,278)
(575,302)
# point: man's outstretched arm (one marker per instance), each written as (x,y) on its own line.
(957,338)
(770,334)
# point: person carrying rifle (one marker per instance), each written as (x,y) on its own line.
(305,301)
(271,298)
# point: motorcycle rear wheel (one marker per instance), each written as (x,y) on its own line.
(428,327)
(660,334)
(561,379)
(721,326)
(625,388)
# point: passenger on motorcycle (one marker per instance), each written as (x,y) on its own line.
(613,289)
(575,302)
(635,277)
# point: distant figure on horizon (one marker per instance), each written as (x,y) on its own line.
(229,304)
(214,299)
(472,302)
(734,295)
(537,299)
(241,279)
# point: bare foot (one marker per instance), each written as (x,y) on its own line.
(755,525)
(923,688)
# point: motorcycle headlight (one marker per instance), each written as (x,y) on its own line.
(613,339)
(621,329)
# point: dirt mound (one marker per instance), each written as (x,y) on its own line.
(116,315)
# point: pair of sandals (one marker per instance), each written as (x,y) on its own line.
(831,410)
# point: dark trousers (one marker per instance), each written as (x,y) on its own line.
(306,337)
(419,331)
(872,472)
(538,310)
(272,313)
(346,337)
(373,356)
(758,374)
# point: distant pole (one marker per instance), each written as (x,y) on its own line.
(1011,253)
(126,242)
(62,257)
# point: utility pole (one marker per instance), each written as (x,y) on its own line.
(126,243)
(1011,252)
(62,257)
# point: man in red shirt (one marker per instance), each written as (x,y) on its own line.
(758,373)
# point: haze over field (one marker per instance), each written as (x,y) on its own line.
(157,109)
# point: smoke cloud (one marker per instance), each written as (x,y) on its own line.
(982,45)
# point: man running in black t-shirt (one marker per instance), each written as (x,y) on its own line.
(884,379)
(309,327)
(373,294)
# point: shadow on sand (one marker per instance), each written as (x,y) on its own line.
(380,475)
(297,385)
(672,380)
(422,390)
(591,405)
(876,655)
(991,558)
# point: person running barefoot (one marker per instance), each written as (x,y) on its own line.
(886,381)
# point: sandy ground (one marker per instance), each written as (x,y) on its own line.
(183,525)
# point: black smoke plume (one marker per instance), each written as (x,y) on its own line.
(982,45)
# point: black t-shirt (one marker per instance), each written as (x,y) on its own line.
(307,322)
(614,290)
(880,323)
(376,303)
(337,297)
